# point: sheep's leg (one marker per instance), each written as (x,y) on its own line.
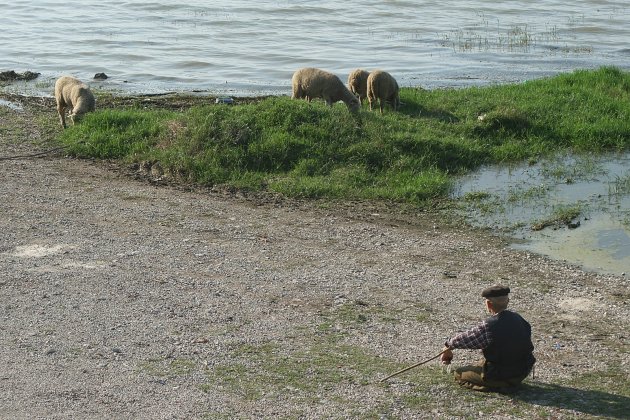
(61,110)
(395,102)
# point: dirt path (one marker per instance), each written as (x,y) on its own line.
(121,299)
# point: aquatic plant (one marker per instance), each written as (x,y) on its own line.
(485,35)
(620,186)
(561,215)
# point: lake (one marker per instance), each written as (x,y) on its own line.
(252,48)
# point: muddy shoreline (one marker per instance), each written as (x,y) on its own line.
(124,298)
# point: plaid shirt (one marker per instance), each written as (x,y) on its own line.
(478,337)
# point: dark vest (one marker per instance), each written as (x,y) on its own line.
(510,354)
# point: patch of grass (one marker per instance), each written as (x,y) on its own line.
(129,134)
(620,186)
(302,149)
(570,170)
(484,202)
(477,196)
(487,36)
(167,368)
(319,361)
(351,315)
(521,195)
(562,215)
(614,380)
(304,373)
(10,130)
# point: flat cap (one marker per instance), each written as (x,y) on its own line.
(495,291)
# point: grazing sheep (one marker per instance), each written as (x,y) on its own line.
(72,94)
(312,83)
(357,83)
(382,87)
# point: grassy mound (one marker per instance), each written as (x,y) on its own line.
(309,150)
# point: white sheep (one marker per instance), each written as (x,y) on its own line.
(309,83)
(382,87)
(357,83)
(75,95)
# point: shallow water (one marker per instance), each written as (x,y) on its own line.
(246,48)
(600,244)
(516,198)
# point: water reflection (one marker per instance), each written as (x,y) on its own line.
(596,189)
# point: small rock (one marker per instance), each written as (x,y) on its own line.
(156,170)
(100,76)
(574,225)
(12,75)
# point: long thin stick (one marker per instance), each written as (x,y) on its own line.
(411,367)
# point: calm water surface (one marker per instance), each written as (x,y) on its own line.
(251,48)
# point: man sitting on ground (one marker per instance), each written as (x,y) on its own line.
(505,340)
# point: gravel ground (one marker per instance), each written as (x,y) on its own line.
(122,298)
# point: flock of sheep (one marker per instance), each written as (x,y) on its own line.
(307,83)
(377,86)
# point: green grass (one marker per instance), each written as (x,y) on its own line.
(572,170)
(561,215)
(621,185)
(309,150)
(270,371)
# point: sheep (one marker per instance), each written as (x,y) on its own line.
(357,83)
(71,93)
(382,87)
(312,83)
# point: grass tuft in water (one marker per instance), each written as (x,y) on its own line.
(562,215)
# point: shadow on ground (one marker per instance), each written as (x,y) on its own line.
(586,401)
(416,110)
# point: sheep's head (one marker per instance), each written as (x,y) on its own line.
(84,105)
(76,117)
(354,104)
